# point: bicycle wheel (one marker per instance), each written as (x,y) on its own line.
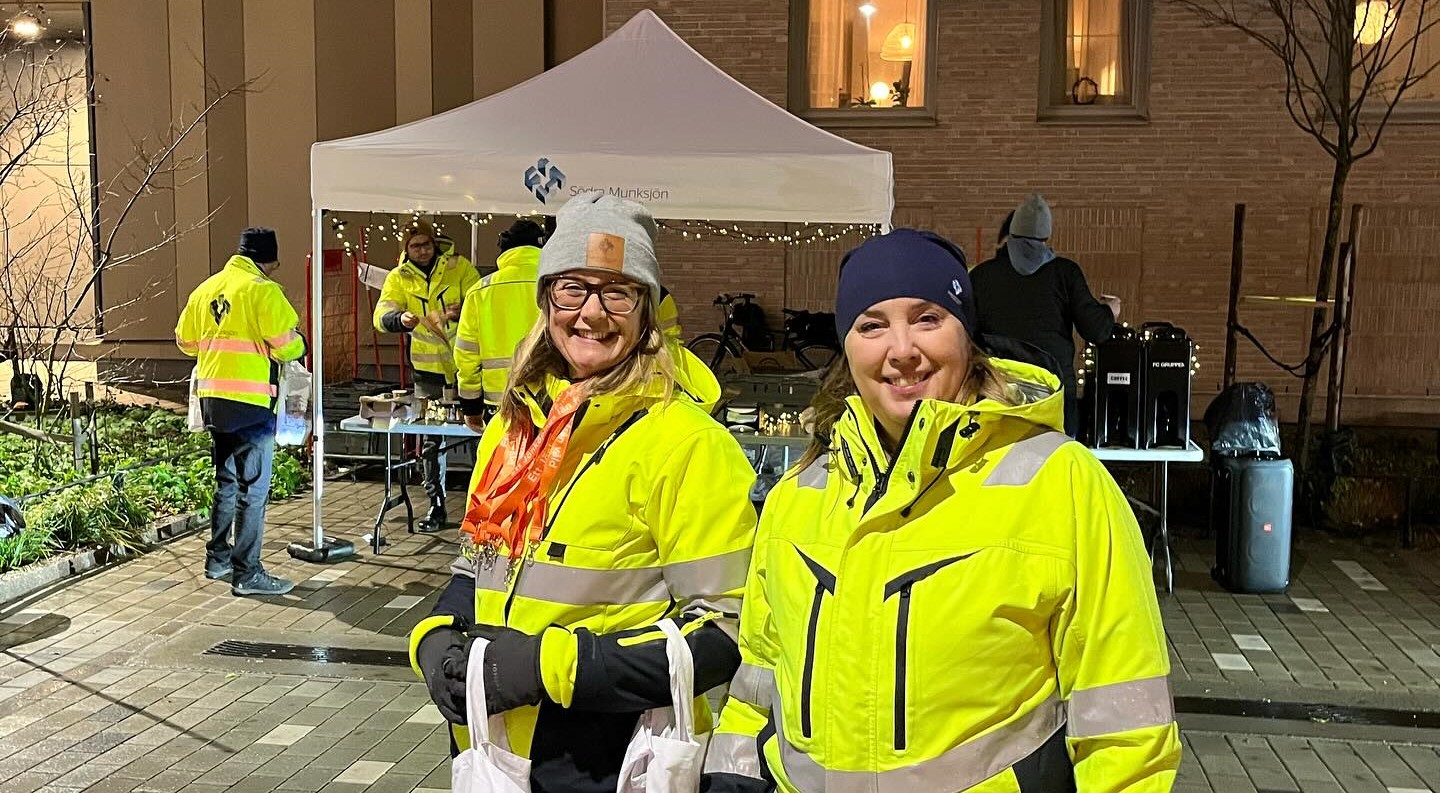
(721,355)
(816,355)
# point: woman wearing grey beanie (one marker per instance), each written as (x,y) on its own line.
(605,500)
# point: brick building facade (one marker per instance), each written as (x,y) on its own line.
(1145,207)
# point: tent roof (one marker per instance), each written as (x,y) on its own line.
(641,115)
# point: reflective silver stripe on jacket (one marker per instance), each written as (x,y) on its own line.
(579,586)
(389,305)
(1025,458)
(730,753)
(816,475)
(755,685)
(1132,705)
(710,576)
(465,345)
(495,363)
(961,768)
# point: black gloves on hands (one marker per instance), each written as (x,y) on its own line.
(511,668)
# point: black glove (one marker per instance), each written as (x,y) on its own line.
(431,654)
(511,668)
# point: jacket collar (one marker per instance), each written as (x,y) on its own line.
(525,257)
(246,265)
(941,434)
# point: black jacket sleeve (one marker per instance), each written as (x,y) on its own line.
(390,320)
(458,600)
(614,678)
(734,783)
(1094,320)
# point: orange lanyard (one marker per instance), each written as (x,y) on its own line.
(507,509)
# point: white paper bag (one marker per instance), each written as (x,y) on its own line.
(664,756)
(196,417)
(485,767)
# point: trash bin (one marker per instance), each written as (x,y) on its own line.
(1251,491)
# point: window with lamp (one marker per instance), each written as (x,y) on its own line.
(1095,62)
(862,61)
(1387,35)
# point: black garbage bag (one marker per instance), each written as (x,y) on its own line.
(1242,422)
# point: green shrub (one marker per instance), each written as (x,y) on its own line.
(27,547)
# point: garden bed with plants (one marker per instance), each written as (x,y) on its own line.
(150,467)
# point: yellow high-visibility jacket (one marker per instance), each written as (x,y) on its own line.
(649,518)
(239,326)
(408,288)
(977,615)
(498,313)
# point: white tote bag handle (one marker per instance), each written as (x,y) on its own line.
(485,767)
(682,681)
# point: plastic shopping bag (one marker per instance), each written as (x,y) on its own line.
(196,417)
(664,755)
(292,424)
(485,767)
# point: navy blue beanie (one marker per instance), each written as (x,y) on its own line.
(258,245)
(904,263)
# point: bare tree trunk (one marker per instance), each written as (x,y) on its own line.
(1318,318)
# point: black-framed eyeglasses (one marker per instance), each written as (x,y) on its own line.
(569,294)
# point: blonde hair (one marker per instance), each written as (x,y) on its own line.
(537,356)
(985,381)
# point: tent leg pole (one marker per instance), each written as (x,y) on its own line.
(474,241)
(319,550)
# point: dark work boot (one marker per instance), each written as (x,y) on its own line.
(435,519)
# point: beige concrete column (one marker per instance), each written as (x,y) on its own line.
(192,186)
(451,53)
(131,52)
(280,125)
(414,94)
(225,137)
(509,43)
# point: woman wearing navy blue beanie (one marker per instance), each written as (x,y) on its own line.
(947,593)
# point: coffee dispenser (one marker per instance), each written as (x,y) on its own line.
(1169,355)
(1114,411)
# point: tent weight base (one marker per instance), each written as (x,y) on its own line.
(331,550)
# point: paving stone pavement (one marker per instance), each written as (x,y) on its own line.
(105,686)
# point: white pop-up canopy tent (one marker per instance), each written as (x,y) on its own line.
(640,115)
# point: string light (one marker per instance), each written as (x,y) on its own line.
(392,227)
(806,235)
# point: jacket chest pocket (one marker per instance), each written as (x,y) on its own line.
(902,589)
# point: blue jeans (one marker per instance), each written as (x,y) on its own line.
(242,488)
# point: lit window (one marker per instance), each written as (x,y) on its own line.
(1386,34)
(1096,58)
(859,55)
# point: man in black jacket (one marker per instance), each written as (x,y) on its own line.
(1028,293)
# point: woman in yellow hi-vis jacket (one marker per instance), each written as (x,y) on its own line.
(606,499)
(947,594)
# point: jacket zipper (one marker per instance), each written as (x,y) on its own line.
(902,640)
(902,585)
(824,582)
(594,459)
(883,479)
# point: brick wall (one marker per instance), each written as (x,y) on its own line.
(1145,208)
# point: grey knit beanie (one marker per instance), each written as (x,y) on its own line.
(600,232)
(1031,219)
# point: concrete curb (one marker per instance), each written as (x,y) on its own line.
(17,584)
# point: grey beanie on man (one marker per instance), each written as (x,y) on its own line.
(602,233)
(1031,219)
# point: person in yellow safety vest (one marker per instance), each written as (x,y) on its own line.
(947,593)
(499,312)
(423,297)
(240,328)
(646,515)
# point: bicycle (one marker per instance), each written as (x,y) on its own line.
(724,352)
